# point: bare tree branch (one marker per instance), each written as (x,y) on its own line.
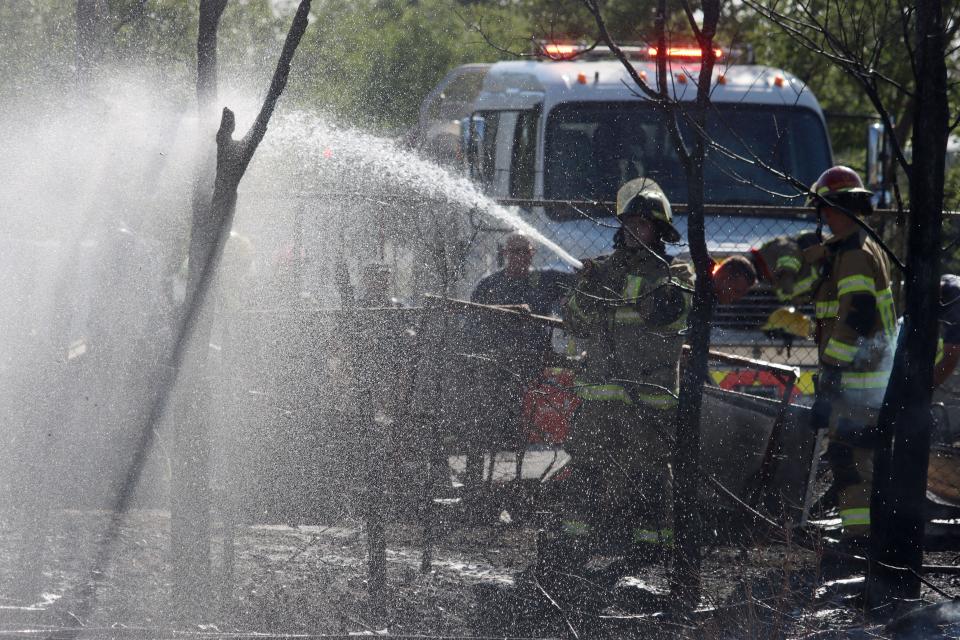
(478,27)
(691,20)
(605,37)
(905,13)
(279,81)
(955,123)
(842,57)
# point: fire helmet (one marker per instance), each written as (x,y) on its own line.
(644,197)
(841,186)
(787,321)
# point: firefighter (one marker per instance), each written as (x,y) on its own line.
(787,265)
(733,277)
(781,262)
(948,350)
(627,311)
(855,329)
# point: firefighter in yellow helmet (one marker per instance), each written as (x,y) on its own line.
(627,311)
(855,329)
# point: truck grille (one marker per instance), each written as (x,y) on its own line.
(751,312)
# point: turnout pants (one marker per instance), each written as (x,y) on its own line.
(850,455)
(619,490)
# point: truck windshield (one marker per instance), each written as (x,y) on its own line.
(593,148)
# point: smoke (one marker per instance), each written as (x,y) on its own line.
(875,354)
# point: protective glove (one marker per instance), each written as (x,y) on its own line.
(587,272)
(827,388)
(588,279)
(820,413)
(587,265)
(828,383)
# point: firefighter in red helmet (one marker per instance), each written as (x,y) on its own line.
(855,329)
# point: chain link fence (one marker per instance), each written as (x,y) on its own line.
(339,312)
(365,369)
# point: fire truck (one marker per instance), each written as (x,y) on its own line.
(557,135)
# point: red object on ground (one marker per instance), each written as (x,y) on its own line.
(744,379)
(548,407)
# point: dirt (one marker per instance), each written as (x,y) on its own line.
(311,579)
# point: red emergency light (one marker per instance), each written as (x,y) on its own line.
(560,51)
(684,53)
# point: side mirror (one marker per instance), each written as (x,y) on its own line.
(463,142)
(877,161)
(474,129)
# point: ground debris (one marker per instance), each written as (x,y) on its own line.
(312,580)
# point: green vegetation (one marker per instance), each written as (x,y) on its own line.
(370,62)
(373,61)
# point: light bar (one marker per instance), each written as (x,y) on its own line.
(684,52)
(560,51)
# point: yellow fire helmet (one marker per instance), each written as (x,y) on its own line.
(789,321)
(644,197)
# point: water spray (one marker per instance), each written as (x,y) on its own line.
(401,169)
(519,224)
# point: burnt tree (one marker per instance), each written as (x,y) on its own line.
(853,37)
(210,13)
(685,578)
(211,229)
(212,219)
(190,498)
(899,491)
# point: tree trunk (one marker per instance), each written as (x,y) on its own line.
(190,508)
(685,579)
(190,497)
(210,13)
(899,491)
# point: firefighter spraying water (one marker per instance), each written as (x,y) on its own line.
(627,311)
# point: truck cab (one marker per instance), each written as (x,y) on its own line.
(558,137)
